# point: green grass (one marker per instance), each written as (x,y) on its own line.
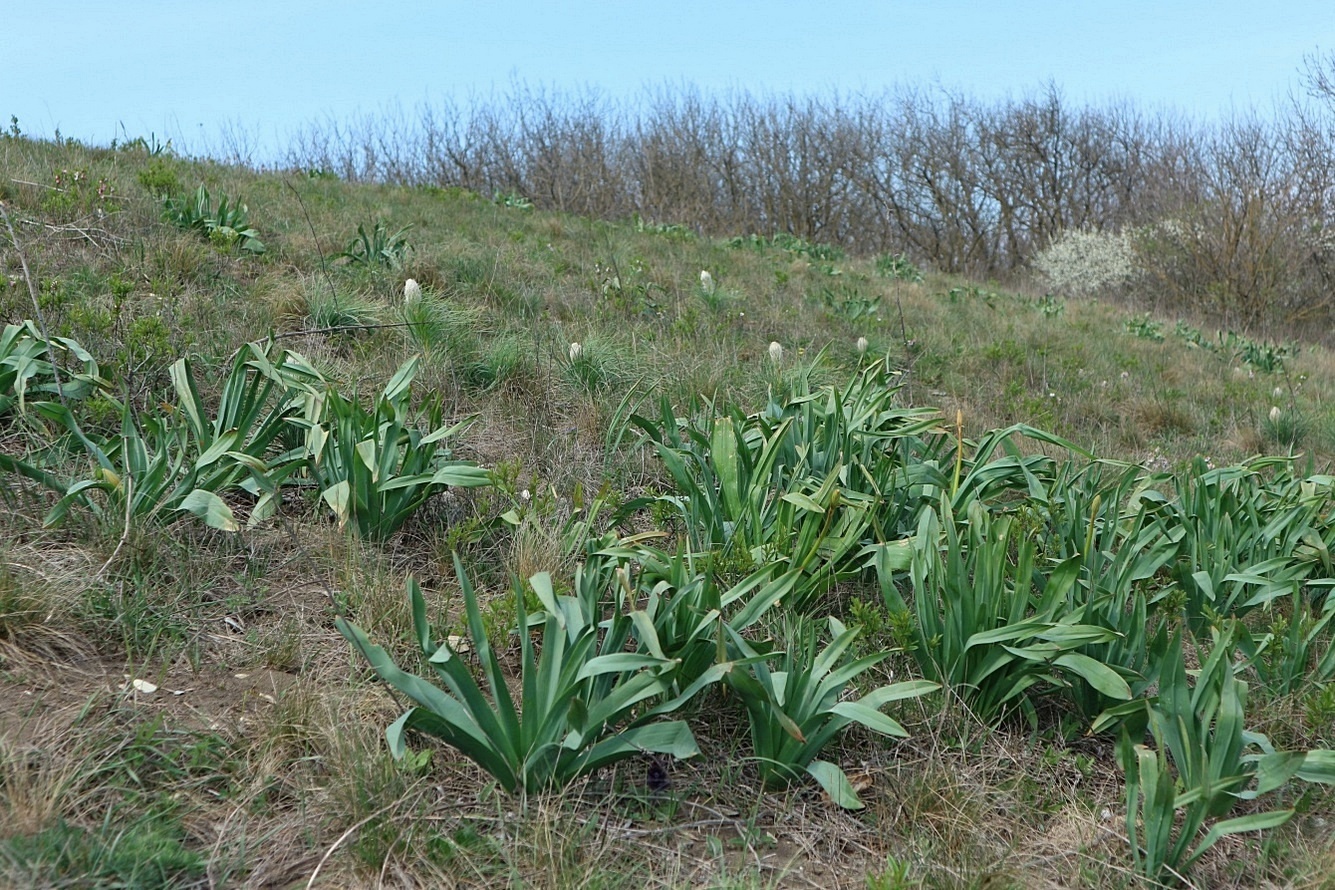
(272,760)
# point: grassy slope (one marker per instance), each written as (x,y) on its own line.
(272,753)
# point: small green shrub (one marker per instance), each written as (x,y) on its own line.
(848,302)
(328,311)
(30,365)
(671,231)
(797,710)
(511,199)
(1199,730)
(159,178)
(982,626)
(898,266)
(378,248)
(375,468)
(1144,327)
(583,700)
(226,226)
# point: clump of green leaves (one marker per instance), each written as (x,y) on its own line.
(797,710)
(799,484)
(375,467)
(225,226)
(1199,731)
(185,460)
(789,244)
(583,702)
(1145,327)
(1267,357)
(30,368)
(378,248)
(981,626)
(159,177)
(511,199)
(898,266)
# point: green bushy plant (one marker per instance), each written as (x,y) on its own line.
(1250,535)
(1144,327)
(1199,730)
(899,266)
(225,226)
(33,367)
(684,610)
(186,459)
(797,710)
(374,467)
(378,248)
(980,624)
(1296,649)
(1099,529)
(805,483)
(159,177)
(583,702)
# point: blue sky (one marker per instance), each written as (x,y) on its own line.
(186,70)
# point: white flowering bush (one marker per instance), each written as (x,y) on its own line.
(1081,263)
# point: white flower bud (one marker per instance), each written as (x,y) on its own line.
(412,292)
(575,351)
(706,282)
(862,345)
(775,352)
(1274,413)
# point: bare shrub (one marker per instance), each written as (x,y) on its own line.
(1241,239)
(1231,218)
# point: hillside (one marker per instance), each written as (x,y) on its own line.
(188,549)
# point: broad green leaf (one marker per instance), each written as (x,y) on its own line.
(210,508)
(904,689)
(1253,822)
(1275,770)
(402,380)
(870,718)
(723,452)
(265,509)
(619,662)
(336,496)
(1318,766)
(805,502)
(671,737)
(1096,674)
(462,475)
(832,779)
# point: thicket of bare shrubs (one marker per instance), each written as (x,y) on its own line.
(1233,219)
